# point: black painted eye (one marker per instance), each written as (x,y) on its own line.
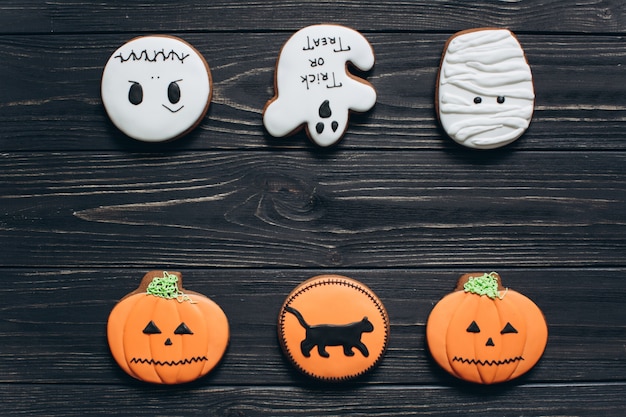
(473,328)
(478,100)
(324,110)
(500,99)
(182,329)
(151,328)
(135,94)
(508,328)
(173,92)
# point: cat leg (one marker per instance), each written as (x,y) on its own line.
(347,350)
(321,349)
(362,348)
(305,348)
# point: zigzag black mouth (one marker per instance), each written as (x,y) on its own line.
(490,363)
(169,363)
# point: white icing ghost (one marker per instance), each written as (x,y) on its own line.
(313,86)
(485,91)
(156,88)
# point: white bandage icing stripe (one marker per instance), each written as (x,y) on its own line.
(485,91)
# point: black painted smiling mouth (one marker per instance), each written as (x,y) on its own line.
(170,363)
(490,363)
(173,111)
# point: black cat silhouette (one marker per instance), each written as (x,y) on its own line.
(322,335)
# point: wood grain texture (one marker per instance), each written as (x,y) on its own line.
(603,16)
(59,318)
(286,209)
(86,211)
(53,100)
(537,399)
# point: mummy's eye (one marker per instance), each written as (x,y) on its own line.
(135,94)
(173,92)
(478,100)
(500,99)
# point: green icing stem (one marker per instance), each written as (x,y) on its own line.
(167,287)
(486,284)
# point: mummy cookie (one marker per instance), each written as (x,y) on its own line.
(156,88)
(485,93)
(164,334)
(313,87)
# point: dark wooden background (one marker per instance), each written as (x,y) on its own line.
(86,211)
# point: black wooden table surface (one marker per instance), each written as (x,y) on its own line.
(86,211)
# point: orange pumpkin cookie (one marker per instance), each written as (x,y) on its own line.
(164,334)
(484,333)
(333,328)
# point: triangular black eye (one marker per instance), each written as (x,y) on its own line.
(473,328)
(508,329)
(182,329)
(151,328)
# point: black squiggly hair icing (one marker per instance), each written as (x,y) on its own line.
(154,57)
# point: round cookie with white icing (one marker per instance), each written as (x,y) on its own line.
(156,88)
(485,95)
(313,87)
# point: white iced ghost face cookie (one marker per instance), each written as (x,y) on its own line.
(485,93)
(313,86)
(156,88)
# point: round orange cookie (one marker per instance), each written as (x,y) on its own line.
(333,328)
(484,333)
(164,334)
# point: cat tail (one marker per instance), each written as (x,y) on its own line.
(296,313)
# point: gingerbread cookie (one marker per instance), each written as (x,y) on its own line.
(313,87)
(333,328)
(485,93)
(164,334)
(484,333)
(156,88)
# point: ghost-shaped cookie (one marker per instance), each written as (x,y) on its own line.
(156,88)
(313,87)
(485,95)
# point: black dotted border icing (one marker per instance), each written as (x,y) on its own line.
(334,281)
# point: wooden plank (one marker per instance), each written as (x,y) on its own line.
(53,99)
(54,322)
(36,16)
(85,211)
(537,399)
(298,209)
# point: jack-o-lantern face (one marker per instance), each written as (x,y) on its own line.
(167,338)
(482,334)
